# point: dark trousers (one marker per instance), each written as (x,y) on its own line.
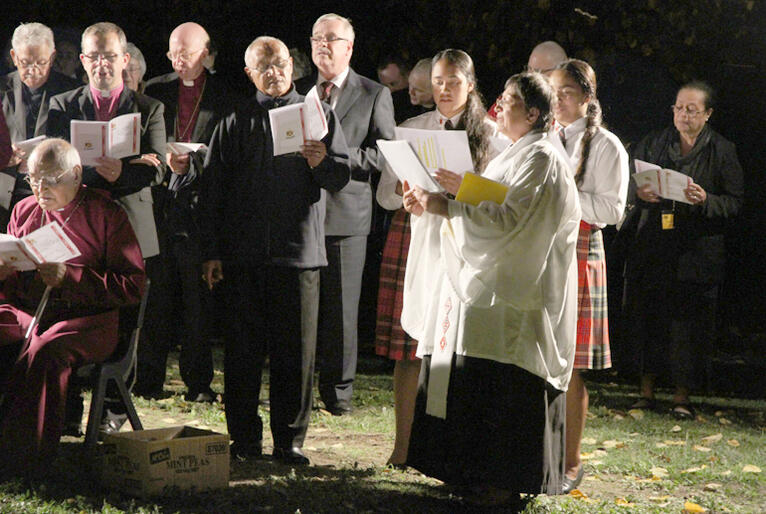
(174,316)
(273,312)
(340,287)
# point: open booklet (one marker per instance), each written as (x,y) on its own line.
(406,166)
(48,243)
(29,144)
(447,149)
(292,125)
(120,137)
(666,183)
(179,148)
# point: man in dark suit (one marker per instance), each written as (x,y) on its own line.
(128,180)
(263,221)
(194,102)
(25,95)
(366,114)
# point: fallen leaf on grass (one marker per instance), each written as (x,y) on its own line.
(719,413)
(634,434)
(712,438)
(701,448)
(576,493)
(310,448)
(623,502)
(674,442)
(733,442)
(724,421)
(676,428)
(617,417)
(636,414)
(612,444)
(588,440)
(661,445)
(749,468)
(336,445)
(595,463)
(659,472)
(694,469)
(593,454)
(168,420)
(658,499)
(712,486)
(693,507)
(725,473)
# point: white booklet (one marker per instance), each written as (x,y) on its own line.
(49,243)
(179,148)
(292,125)
(436,149)
(29,144)
(406,166)
(120,137)
(666,183)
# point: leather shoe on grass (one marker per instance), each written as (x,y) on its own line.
(292,455)
(243,452)
(569,484)
(339,408)
(202,397)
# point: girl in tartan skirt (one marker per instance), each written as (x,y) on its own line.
(600,166)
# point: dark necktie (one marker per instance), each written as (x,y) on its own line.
(327,90)
(563,137)
(448,125)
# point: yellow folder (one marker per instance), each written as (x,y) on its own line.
(475,189)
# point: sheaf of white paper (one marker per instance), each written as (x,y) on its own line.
(50,243)
(406,166)
(29,144)
(90,139)
(179,148)
(316,122)
(666,183)
(674,185)
(287,128)
(436,149)
(125,135)
(7,183)
(12,255)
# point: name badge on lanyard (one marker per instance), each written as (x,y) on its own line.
(668,218)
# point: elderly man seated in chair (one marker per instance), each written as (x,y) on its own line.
(79,324)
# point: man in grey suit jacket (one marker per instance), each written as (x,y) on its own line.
(104,97)
(25,95)
(366,113)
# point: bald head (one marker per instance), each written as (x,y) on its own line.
(546,56)
(269,66)
(188,48)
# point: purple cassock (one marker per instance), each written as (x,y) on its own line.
(79,325)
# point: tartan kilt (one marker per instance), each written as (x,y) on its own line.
(592,350)
(390,339)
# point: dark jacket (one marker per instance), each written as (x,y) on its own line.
(694,250)
(259,209)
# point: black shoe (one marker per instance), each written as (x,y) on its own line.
(569,484)
(208,396)
(292,455)
(245,451)
(683,411)
(339,408)
(152,394)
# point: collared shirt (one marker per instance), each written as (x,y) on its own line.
(106,106)
(189,97)
(604,187)
(339,81)
(443,119)
(32,100)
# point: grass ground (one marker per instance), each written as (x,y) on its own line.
(635,462)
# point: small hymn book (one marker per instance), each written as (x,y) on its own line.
(292,125)
(666,183)
(48,243)
(120,137)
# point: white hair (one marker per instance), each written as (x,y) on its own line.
(55,155)
(259,42)
(32,34)
(137,56)
(332,16)
(422,66)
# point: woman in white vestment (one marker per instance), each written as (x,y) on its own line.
(491,297)
(599,163)
(458,106)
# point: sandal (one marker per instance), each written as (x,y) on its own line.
(644,403)
(683,411)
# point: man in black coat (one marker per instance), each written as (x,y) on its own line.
(263,223)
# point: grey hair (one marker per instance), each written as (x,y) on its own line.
(103,28)
(259,42)
(332,16)
(32,34)
(422,66)
(54,154)
(137,56)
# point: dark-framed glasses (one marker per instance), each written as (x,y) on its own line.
(318,40)
(96,57)
(48,181)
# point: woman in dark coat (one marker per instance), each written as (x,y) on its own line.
(677,260)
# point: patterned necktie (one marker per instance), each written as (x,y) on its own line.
(448,125)
(327,90)
(563,137)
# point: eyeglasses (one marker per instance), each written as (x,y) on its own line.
(529,69)
(96,57)
(47,181)
(692,113)
(318,40)
(278,65)
(23,63)
(182,56)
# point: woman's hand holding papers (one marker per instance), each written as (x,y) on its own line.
(646,194)
(314,152)
(416,201)
(695,194)
(449,180)
(179,164)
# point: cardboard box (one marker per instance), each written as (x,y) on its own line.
(148,462)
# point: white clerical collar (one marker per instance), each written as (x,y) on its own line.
(188,83)
(443,119)
(337,81)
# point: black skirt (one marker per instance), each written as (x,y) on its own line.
(504,427)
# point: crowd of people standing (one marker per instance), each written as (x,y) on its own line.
(493,312)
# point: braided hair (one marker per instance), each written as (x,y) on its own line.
(473,116)
(583,74)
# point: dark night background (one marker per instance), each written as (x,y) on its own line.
(642,50)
